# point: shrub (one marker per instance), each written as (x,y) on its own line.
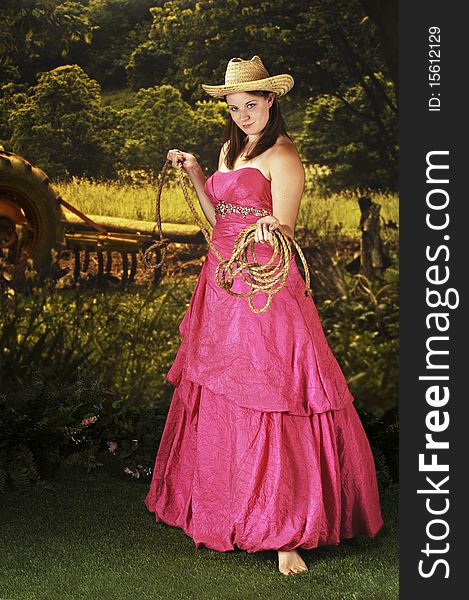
(43,420)
(361,326)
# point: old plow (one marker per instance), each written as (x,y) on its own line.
(41,229)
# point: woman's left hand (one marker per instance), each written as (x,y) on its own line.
(264,226)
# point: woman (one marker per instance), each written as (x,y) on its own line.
(262,447)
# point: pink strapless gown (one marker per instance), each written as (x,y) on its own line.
(262,448)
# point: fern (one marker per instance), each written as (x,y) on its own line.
(21,467)
(382,470)
(40,424)
(383,435)
(3,470)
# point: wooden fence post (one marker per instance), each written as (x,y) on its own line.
(373,257)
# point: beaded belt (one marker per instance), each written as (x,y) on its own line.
(223,208)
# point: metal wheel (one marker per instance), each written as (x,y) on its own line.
(30,215)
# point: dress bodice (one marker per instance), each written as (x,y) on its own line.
(246,187)
(240,198)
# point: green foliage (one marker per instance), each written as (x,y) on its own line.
(358,150)
(11,98)
(18,467)
(383,475)
(325,44)
(383,435)
(148,66)
(41,422)
(111,135)
(35,330)
(129,338)
(209,118)
(361,327)
(332,49)
(68,355)
(123,446)
(159,120)
(61,125)
(122,345)
(340,59)
(118,27)
(186,47)
(118,99)
(127,342)
(37,35)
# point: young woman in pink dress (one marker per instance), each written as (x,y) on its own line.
(262,447)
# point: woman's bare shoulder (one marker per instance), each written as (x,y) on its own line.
(284,145)
(284,153)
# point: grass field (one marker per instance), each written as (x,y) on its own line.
(90,537)
(338,212)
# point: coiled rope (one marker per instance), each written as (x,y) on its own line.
(268,278)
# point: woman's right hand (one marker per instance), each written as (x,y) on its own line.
(188,161)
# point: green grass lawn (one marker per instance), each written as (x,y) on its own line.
(91,537)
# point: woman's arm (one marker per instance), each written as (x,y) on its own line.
(288,180)
(197,177)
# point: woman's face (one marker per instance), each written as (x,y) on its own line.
(249,111)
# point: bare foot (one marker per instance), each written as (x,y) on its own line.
(290,562)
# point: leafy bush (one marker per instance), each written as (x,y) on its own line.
(43,420)
(129,338)
(209,119)
(126,446)
(11,98)
(361,326)
(79,370)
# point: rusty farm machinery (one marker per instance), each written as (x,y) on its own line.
(36,223)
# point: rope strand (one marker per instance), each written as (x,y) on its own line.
(268,278)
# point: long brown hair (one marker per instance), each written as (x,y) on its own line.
(237,139)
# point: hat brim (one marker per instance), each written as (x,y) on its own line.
(279,84)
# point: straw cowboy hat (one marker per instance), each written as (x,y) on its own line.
(249,76)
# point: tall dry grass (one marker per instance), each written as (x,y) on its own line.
(323,215)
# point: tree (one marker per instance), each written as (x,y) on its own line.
(119,26)
(340,136)
(159,120)
(341,52)
(60,125)
(353,58)
(385,16)
(12,96)
(37,35)
(324,43)
(189,43)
